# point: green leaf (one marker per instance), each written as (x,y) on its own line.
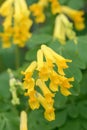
(83,109)
(10,121)
(82,47)
(38,39)
(31,54)
(75,72)
(72,125)
(73,110)
(36,120)
(61,116)
(84,124)
(8,57)
(75,90)
(83,84)
(71,51)
(75,4)
(2,122)
(60,100)
(4,85)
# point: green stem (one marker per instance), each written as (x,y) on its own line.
(17,57)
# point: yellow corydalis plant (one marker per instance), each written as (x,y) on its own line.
(23,121)
(63,29)
(44,69)
(16,24)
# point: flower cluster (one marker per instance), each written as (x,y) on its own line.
(37,10)
(74,15)
(44,77)
(64,29)
(17,23)
(63,22)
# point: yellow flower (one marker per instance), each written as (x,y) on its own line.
(49,110)
(59,30)
(23,121)
(33,101)
(42,100)
(40,62)
(57,81)
(44,72)
(42,66)
(63,29)
(37,10)
(49,114)
(65,91)
(64,82)
(5,8)
(46,79)
(54,81)
(45,90)
(55,6)
(5,38)
(76,16)
(29,82)
(43,2)
(55,58)
(65,85)
(43,87)
(31,67)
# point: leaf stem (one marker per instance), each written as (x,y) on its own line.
(17,57)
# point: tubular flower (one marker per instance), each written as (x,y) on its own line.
(5,8)
(45,90)
(55,58)
(37,10)
(33,102)
(29,82)
(49,114)
(60,81)
(23,121)
(44,68)
(49,110)
(17,23)
(76,16)
(54,81)
(63,29)
(65,85)
(55,6)
(47,80)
